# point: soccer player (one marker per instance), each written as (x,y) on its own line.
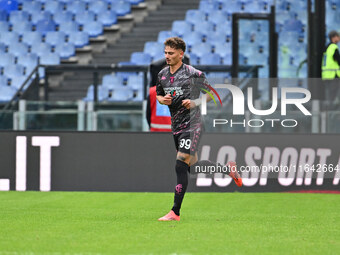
(179,86)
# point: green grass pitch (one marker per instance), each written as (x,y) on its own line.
(88,223)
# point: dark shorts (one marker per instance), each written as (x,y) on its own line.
(187,142)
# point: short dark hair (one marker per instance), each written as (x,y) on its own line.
(176,43)
(332,34)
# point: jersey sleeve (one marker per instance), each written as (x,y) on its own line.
(202,82)
(159,88)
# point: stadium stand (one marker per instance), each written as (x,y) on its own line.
(51,32)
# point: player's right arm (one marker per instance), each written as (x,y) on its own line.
(161,97)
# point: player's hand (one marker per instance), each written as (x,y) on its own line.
(187,103)
(167,99)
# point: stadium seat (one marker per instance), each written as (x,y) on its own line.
(93,28)
(121,7)
(208,6)
(6,59)
(135,82)
(19,16)
(41,15)
(135,2)
(217,37)
(31,6)
(9,5)
(201,49)
(41,49)
(63,16)
(140,58)
(69,27)
(4,26)
(49,58)
(18,49)
(54,6)
(192,38)
(223,49)
(55,37)
(107,18)
(14,70)
(76,6)
(65,50)
(121,94)
(3,81)
(9,37)
(98,6)
(218,17)
(45,26)
(194,59)
(29,61)
(21,26)
(154,49)
(204,27)
(7,93)
(3,48)
(293,25)
(112,81)
(31,37)
(17,82)
(210,59)
(79,39)
(163,35)
(83,18)
(103,93)
(181,27)
(3,15)
(227,59)
(195,16)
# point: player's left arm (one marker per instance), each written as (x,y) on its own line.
(203,83)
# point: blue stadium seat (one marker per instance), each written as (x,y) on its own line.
(48,58)
(181,27)
(210,59)
(201,49)
(89,94)
(195,16)
(140,58)
(227,59)
(107,18)
(232,6)
(3,81)
(193,38)
(19,16)
(3,48)
(54,6)
(121,7)
(76,6)
(29,61)
(41,15)
(31,37)
(6,59)
(65,50)
(9,37)
(79,39)
(93,28)
(14,71)
(55,37)
(217,37)
(135,2)
(41,49)
(112,81)
(103,93)
(163,35)
(293,25)
(121,94)
(16,82)
(21,27)
(63,16)
(4,26)
(7,93)
(45,26)
(208,6)
(224,28)
(98,6)
(138,95)
(31,6)
(218,17)
(154,49)
(69,27)
(194,59)
(223,49)
(9,5)
(3,15)
(205,27)
(135,82)
(18,49)
(83,18)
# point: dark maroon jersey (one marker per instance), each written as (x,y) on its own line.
(186,83)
